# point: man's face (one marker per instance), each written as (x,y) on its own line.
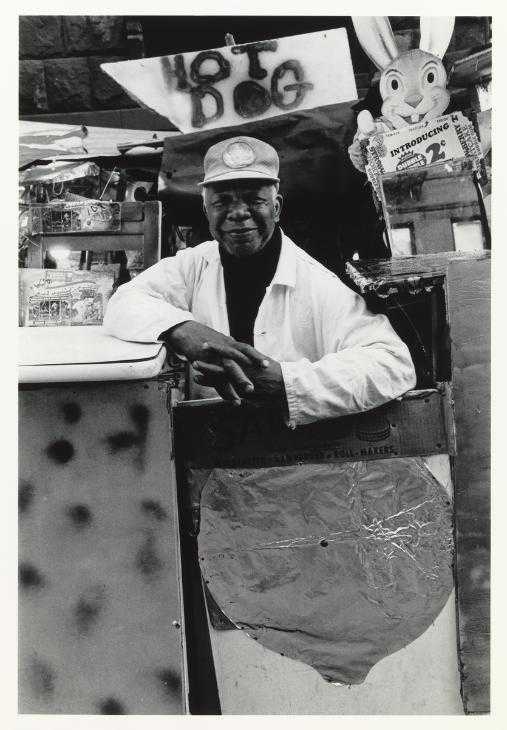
(242,214)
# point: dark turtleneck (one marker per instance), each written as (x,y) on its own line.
(245,285)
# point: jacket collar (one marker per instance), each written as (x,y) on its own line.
(285,274)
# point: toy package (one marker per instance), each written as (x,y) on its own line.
(413,83)
(448,137)
(56,297)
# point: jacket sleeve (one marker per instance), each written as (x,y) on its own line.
(157,299)
(363,365)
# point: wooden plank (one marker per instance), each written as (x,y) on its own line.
(468,293)
(152,232)
(377,276)
(97,242)
(203,698)
(214,433)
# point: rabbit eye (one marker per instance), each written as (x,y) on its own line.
(394,84)
(430,77)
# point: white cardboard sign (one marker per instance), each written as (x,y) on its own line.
(242,83)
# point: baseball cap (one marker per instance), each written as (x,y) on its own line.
(240,158)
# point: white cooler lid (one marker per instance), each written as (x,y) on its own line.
(58,354)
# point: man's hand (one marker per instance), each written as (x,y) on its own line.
(366,127)
(255,384)
(196,341)
(222,354)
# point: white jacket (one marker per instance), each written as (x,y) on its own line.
(336,357)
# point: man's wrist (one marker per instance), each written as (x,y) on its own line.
(170,336)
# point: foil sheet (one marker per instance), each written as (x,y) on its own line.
(335,565)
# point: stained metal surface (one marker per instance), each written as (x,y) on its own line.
(101,627)
(336,565)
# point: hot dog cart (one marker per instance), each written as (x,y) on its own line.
(182,556)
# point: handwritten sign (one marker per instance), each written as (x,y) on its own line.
(249,82)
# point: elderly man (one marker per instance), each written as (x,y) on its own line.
(256,316)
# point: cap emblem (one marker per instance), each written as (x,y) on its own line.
(238,154)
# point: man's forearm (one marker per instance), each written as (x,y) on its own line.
(156,300)
(344,383)
(133,315)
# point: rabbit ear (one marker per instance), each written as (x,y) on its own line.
(377,39)
(436,34)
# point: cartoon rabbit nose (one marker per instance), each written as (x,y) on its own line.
(413,100)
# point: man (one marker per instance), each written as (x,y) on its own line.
(255,315)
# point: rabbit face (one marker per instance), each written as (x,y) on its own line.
(413,88)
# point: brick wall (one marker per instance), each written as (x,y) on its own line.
(469,32)
(60,59)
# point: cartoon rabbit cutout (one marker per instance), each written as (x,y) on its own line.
(412,84)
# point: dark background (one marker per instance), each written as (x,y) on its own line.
(61,81)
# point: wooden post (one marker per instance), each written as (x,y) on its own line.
(468,296)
